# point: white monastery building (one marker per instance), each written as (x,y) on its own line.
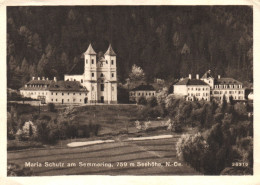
(208,87)
(89,81)
(192,89)
(53,91)
(224,87)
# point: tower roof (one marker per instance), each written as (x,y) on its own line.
(90,50)
(110,51)
(207,75)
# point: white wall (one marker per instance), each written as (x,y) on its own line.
(180,90)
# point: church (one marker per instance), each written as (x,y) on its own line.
(99,77)
(89,81)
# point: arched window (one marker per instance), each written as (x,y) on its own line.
(102,75)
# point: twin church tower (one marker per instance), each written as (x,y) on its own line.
(99,77)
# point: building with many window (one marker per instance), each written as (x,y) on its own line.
(207,87)
(192,89)
(224,87)
(146,91)
(89,81)
(53,91)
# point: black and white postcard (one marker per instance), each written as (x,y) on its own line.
(129,90)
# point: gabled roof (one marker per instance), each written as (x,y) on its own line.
(90,50)
(207,75)
(227,81)
(54,86)
(78,68)
(188,81)
(67,86)
(110,51)
(144,88)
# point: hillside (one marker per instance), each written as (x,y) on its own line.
(166,41)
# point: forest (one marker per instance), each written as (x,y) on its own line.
(167,42)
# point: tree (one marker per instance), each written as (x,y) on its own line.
(25,66)
(161,96)
(137,74)
(152,102)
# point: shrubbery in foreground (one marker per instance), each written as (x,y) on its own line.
(215,151)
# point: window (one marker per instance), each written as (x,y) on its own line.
(101,75)
(56,93)
(149,94)
(51,99)
(86,61)
(56,99)
(51,93)
(106,61)
(146,94)
(80,100)
(74,100)
(153,94)
(68,100)
(188,89)
(92,61)
(138,94)
(93,88)
(112,74)
(79,93)
(92,74)
(73,93)
(81,81)
(62,94)
(68,93)
(101,87)
(112,62)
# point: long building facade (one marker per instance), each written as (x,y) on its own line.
(207,87)
(53,91)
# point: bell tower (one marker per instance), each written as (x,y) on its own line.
(90,73)
(110,57)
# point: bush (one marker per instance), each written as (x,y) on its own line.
(150,112)
(193,150)
(152,102)
(142,101)
(16,170)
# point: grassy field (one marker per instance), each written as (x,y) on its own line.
(114,119)
(117,123)
(128,152)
